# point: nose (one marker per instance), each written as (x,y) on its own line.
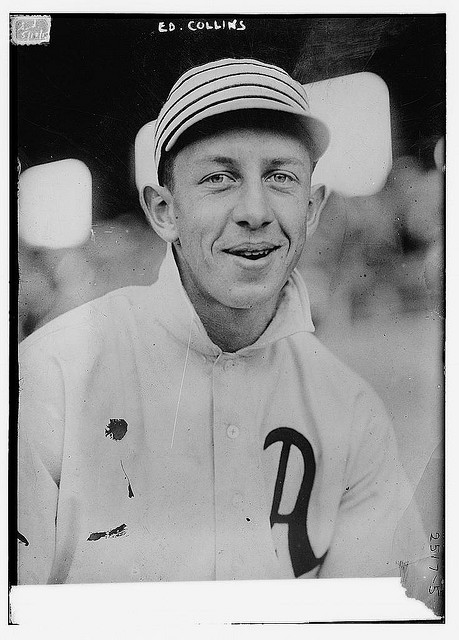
(252,209)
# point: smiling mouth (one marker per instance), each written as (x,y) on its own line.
(251,253)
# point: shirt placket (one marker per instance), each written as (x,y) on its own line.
(244,545)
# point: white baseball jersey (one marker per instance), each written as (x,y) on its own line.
(147,453)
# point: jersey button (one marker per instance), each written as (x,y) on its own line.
(232,431)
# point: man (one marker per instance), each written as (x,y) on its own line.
(196,429)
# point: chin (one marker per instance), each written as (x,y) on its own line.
(250,297)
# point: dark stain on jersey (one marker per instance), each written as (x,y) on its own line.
(116,429)
(113,533)
(22,539)
(301,553)
(130,491)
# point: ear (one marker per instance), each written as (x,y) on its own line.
(317,199)
(157,202)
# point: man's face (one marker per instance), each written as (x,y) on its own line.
(241,206)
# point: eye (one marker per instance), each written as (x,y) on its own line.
(218,179)
(281,178)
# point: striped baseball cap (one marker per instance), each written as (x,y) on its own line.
(229,85)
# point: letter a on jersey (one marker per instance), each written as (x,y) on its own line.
(301,553)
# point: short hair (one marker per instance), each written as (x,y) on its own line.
(257,119)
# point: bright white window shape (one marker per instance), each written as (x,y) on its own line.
(356,109)
(55,204)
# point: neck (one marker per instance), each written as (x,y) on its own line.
(229,328)
(233,329)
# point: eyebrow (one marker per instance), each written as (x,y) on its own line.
(278,162)
(231,162)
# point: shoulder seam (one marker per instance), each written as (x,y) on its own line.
(46,331)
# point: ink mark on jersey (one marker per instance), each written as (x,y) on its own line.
(113,533)
(301,553)
(22,539)
(130,491)
(116,429)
